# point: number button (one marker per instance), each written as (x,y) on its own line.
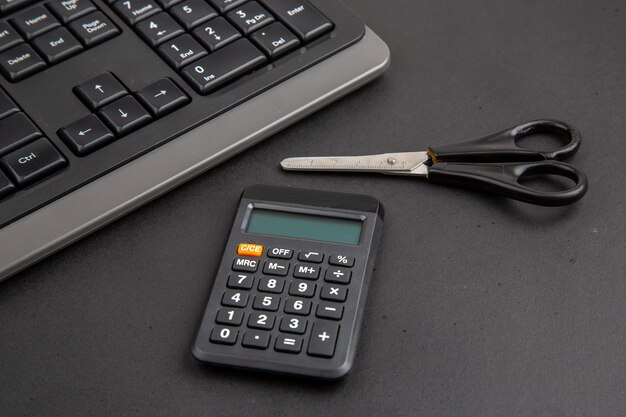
(334,293)
(274,285)
(310,256)
(306,271)
(332,311)
(192,12)
(261,321)
(234,299)
(341,260)
(280,268)
(224,335)
(302,289)
(243,281)
(290,324)
(289,344)
(250,17)
(338,275)
(296,306)
(256,340)
(266,302)
(229,316)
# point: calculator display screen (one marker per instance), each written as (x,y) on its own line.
(305,226)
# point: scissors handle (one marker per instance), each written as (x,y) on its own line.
(503,147)
(502,178)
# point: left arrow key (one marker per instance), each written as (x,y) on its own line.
(86,135)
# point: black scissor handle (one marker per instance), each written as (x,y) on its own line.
(503,178)
(503,147)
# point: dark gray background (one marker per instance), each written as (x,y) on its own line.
(479,306)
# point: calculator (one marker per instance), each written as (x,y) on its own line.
(290,291)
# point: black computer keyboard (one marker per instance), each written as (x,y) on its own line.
(89,85)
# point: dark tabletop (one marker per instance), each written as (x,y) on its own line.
(479,306)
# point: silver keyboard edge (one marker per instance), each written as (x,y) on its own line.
(58,224)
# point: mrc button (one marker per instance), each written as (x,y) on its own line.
(249,249)
(245,264)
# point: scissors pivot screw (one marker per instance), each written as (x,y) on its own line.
(391,160)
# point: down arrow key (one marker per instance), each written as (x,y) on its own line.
(124,115)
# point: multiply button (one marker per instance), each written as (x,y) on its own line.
(338,275)
(245,264)
(279,253)
(280,268)
(323,339)
(306,271)
(334,293)
(341,260)
(310,256)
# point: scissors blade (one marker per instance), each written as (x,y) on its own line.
(399,163)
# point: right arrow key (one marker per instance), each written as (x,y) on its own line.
(162,97)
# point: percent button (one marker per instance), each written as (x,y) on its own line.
(341,260)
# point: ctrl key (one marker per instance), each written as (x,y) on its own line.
(32,162)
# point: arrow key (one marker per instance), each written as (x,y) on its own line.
(124,115)
(100,90)
(162,97)
(86,135)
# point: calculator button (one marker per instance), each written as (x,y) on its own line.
(329,311)
(289,344)
(290,324)
(300,17)
(230,316)
(235,299)
(338,275)
(266,302)
(341,260)
(323,339)
(216,33)
(311,256)
(245,264)
(297,306)
(249,249)
(243,281)
(302,288)
(256,340)
(261,321)
(274,285)
(279,253)
(250,17)
(306,271)
(334,293)
(224,335)
(280,268)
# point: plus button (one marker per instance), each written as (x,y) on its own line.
(323,336)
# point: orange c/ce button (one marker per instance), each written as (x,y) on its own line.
(250,249)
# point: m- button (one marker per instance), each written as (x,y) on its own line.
(280,268)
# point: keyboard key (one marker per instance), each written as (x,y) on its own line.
(6,186)
(223,66)
(56,45)
(86,135)
(100,90)
(8,36)
(34,21)
(166,4)
(291,324)
(93,28)
(132,11)
(289,344)
(7,6)
(334,293)
(250,17)
(66,10)
(181,51)
(32,162)
(229,316)
(300,17)
(235,298)
(191,13)
(331,311)
(224,335)
(275,40)
(298,306)
(225,5)
(261,321)
(158,29)
(216,33)
(323,339)
(256,340)
(125,115)
(341,260)
(19,62)
(7,106)
(162,97)
(17,130)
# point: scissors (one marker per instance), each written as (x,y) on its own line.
(494,164)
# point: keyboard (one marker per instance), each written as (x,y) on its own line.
(104,105)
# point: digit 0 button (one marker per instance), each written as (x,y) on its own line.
(249,249)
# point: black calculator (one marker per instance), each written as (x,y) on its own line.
(290,291)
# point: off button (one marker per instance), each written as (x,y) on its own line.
(279,253)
